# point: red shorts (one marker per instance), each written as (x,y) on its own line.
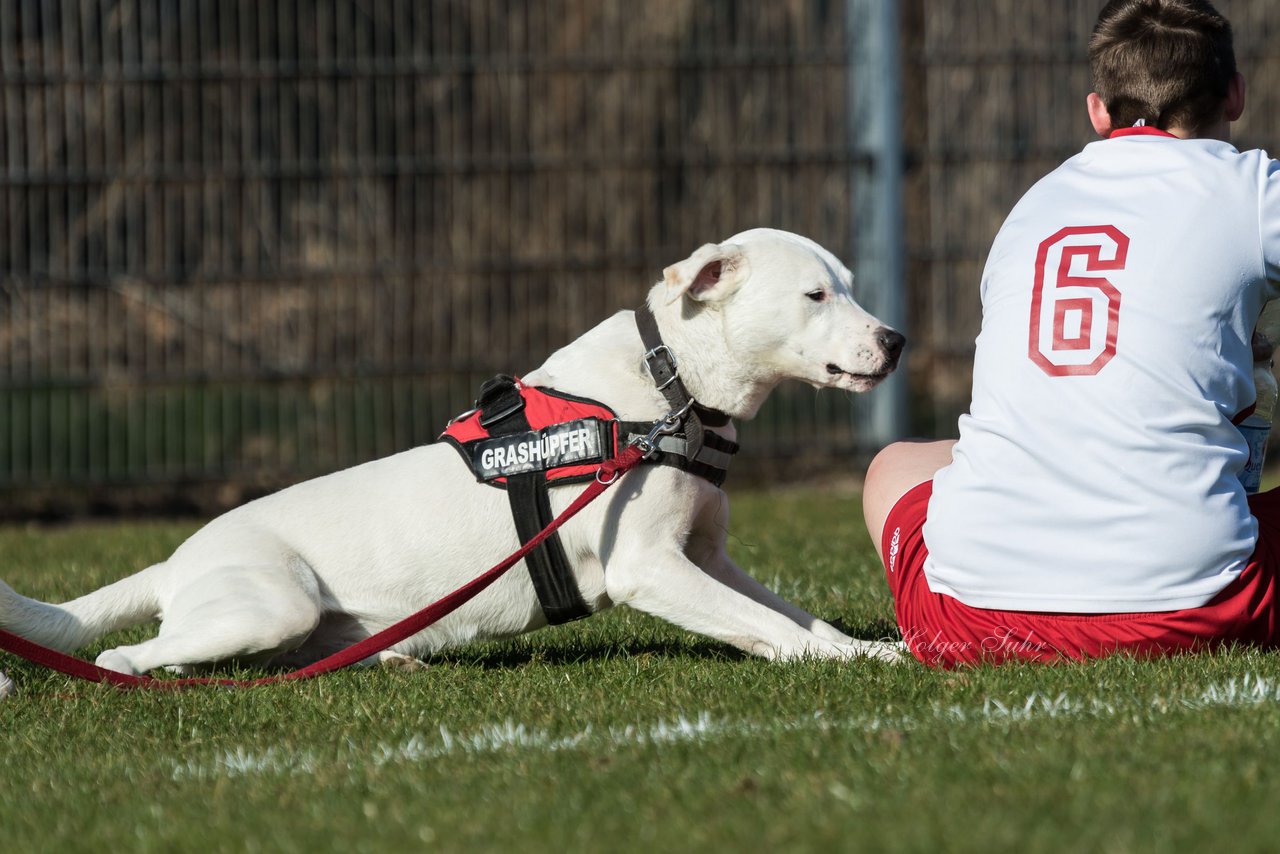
(944,632)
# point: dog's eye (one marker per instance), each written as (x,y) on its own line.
(817,296)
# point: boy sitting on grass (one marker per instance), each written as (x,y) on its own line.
(1092,504)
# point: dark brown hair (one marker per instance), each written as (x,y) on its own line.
(1166,61)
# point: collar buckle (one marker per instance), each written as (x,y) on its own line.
(662,365)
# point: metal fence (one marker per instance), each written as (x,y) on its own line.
(246,242)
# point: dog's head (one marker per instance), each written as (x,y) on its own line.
(786,308)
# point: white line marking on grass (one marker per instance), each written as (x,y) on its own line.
(510,736)
(491,738)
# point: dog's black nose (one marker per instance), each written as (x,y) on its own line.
(892,342)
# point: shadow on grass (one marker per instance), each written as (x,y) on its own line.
(574,651)
(520,653)
(872,630)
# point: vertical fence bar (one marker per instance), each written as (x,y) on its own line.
(878,245)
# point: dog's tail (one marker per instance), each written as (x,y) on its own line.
(70,626)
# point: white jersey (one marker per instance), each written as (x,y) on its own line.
(1098,468)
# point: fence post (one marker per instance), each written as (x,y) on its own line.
(875,134)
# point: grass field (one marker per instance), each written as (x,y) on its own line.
(624,734)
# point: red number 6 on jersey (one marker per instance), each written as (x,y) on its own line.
(1075,317)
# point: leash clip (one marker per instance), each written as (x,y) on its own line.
(664,426)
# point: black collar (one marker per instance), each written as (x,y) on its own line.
(663,368)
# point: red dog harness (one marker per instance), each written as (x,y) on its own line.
(523,439)
(566,437)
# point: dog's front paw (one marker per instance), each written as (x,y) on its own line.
(892,652)
(7,688)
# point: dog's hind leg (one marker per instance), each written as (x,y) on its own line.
(401,662)
(241,613)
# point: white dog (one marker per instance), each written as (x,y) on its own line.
(297,575)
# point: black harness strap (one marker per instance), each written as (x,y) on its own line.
(711,461)
(502,412)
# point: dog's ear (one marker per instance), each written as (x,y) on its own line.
(711,273)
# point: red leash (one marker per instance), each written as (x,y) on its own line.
(608,473)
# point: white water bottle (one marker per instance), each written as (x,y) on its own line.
(1257,427)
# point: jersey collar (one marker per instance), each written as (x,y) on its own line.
(1140,131)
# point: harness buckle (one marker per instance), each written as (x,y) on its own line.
(664,426)
(515,406)
(655,355)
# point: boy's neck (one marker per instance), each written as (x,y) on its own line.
(1219,130)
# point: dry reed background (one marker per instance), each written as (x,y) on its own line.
(242,243)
